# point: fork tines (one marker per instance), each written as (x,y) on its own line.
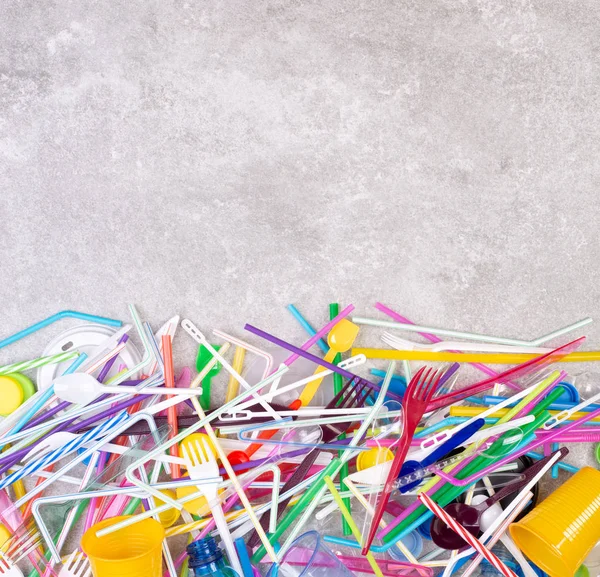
(77,565)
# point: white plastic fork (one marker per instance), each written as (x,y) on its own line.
(77,565)
(8,568)
(201,464)
(406,345)
(15,549)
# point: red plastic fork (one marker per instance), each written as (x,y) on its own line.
(420,391)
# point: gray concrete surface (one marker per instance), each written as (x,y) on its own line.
(223,159)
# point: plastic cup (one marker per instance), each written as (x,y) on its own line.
(308,556)
(598,453)
(562,530)
(170,516)
(134,551)
(413,542)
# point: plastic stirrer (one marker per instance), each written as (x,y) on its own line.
(81,389)
(440,438)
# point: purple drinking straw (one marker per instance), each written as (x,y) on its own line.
(8,461)
(315,359)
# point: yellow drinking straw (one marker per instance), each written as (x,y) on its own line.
(352,524)
(238,362)
(485,358)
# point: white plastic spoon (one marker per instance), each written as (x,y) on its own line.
(81,389)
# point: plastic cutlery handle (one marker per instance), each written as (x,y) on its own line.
(453,442)
(221,523)
(441,437)
(152,391)
(526,476)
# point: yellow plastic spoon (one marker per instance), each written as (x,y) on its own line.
(340,339)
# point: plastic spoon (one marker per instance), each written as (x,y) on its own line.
(469,516)
(340,339)
(82,389)
(487,518)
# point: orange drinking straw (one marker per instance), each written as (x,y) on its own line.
(171,411)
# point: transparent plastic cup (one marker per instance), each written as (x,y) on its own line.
(309,557)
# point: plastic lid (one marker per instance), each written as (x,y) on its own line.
(26,383)
(413,542)
(11,394)
(372,457)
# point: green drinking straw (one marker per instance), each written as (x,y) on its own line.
(338,382)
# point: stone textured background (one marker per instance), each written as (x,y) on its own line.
(222,159)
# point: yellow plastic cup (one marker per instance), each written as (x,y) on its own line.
(134,551)
(562,530)
(170,516)
(372,457)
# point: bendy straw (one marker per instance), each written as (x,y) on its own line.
(57,317)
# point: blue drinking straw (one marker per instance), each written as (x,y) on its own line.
(58,316)
(307,327)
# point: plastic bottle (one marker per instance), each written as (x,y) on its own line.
(206,558)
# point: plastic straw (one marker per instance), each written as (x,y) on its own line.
(466,335)
(237,364)
(308,327)
(489,358)
(355,530)
(52,319)
(167,348)
(458,528)
(39,362)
